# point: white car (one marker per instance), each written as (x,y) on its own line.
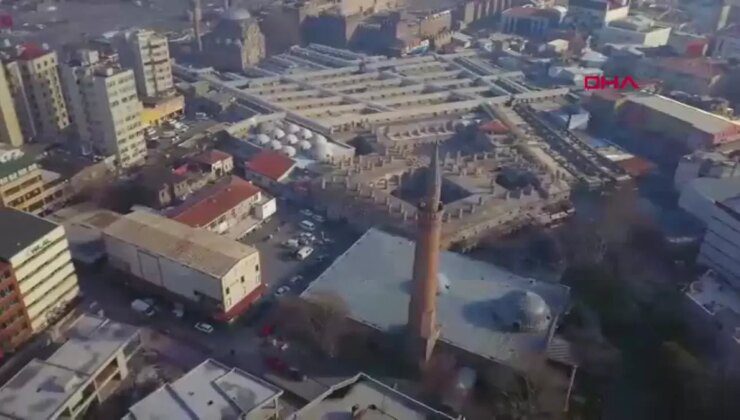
(296,279)
(319,218)
(306,212)
(282,290)
(204,328)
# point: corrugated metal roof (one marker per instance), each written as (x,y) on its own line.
(196,248)
(702,120)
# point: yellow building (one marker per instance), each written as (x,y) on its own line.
(37,278)
(159,110)
(25,186)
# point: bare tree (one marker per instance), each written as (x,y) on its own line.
(320,319)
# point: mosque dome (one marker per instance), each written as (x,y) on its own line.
(524,311)
(263,138)
(236,13)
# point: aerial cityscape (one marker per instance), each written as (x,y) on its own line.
(369,209)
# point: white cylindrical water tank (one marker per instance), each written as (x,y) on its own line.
(291,139)
(304,144)
(278,133)
(292,128)
(262,139)
(322,152)
(289,151)
(306,133)
(275,145)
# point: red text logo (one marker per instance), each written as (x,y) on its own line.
(602,83)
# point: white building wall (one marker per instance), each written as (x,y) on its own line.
(721,247)
(241,280)
(653,38)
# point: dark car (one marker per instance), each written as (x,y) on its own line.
(279,366)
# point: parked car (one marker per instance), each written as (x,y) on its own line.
(319,218)
(292,244)
(304,253)
(282,290)
(279,366)
(307,225)
(306,212)
(296,279)
(204,327)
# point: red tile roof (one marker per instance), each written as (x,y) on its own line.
(211,156)
(31,51)
(216,201)
(495,127)
(241,307)
(270,164)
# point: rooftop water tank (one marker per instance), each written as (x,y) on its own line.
(275,145)
(291,139)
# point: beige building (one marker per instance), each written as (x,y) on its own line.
(147,53)
(25,186)
(105,109)
(10,129)
(33,78)
(212,274)
(82,373)
(37,278)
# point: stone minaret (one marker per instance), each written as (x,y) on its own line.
(197,18)
(422,318)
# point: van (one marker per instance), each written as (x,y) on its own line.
(306,225)
(304,253)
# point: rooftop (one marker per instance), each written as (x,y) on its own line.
(20,230)
(371,398)
(702,120)
(42,388)
(701,67)
(523,12)
(270,164)
(211,156)
(199,249)
(719,300)
(208,205)
(209,391)
(15,165)
(480,305)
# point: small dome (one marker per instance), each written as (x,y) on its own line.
(291,139)
(304,145)
(236,13)
(319,139)
(265,127)
(292,128)
(322,152)
(289,151)
(262,138)
(306,133)
(278,133)
(523,311)
(275,145)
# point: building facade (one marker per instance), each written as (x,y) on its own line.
(235,43)
(216,276)
(38,278)
(10,128)
(530,21)
(720,249)
(106,111)
(147,53)
(592,14)
(25,186)
(35,86)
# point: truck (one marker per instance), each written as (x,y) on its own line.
(143,308)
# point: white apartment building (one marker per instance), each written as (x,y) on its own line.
(720,250)
(33,79)
(147,53)
(208,272)
(105,109)
(37,278)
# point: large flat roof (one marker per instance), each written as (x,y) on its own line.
(209,391)
(199,249)
(702,120)
(371,398)
(20,230)
(42,388)
(373,277)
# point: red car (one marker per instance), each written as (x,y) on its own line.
(267,330)
(280,367)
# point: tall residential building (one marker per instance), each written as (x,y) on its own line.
(25,186)
(37,278)
(105,109)
(33,78)
(720,249)
(10,129)
(147,53)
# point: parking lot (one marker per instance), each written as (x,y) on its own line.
(279,262)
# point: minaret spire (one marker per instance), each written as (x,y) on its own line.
(423,330)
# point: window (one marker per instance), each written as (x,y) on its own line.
(257,268)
